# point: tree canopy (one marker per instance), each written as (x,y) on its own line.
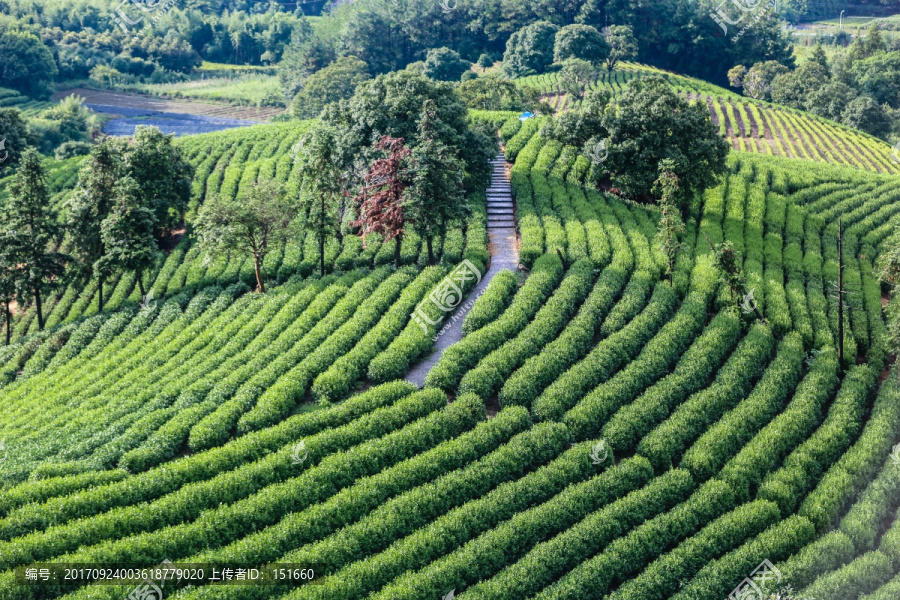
(493,92)
(255,223)
(580,41)
(27,63)
(652,123)
(530,50)
(335,82)
(390,105)
(30,231)
(444,64)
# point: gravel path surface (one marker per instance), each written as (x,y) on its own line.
(503,245)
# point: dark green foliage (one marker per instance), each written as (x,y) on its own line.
(28,64)
(444,64)
(530,49)
(651,124)
(14,132)
(580,41)
(335,82)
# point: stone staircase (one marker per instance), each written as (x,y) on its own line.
(500,214)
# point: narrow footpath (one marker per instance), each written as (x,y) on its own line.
(503,246)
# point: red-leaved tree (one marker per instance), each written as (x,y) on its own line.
(380,200)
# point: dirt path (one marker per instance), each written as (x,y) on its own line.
(503,245)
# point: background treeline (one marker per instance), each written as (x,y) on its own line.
(677,35)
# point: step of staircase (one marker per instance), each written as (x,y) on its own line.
(500,208)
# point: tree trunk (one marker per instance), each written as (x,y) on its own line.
(40,310)
(840,298)
(140,278)
(100,289)
(8,325)
(430,244)
(260,286)
(397,251)
(322,255)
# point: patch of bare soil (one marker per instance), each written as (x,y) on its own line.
(181,106)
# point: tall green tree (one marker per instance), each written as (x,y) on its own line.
(255,223)
(493,92)
(530,50)
(319,162)
(436,196)
(865,114)
(128,234)
(7,280)
(671,226)
(335,82)
(576,127)
(89,205)
(162,174)
(651,124)
(622,45)
(887,268)
(390,105)
(27,64)
(879,77)
(580,41)
(444,64)
(30,228)
(575,75)
(13,139)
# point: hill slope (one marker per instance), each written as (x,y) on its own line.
(173,432)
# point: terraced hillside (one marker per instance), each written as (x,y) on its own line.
(226,163)
(13,99)
(172,432)
(749,125)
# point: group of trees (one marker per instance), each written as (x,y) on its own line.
(66,128)
(534,48)
(400,153)
(677,35)
(859,87)
(129,193)
(649,126)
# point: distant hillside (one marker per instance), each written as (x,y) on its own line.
(749,125)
